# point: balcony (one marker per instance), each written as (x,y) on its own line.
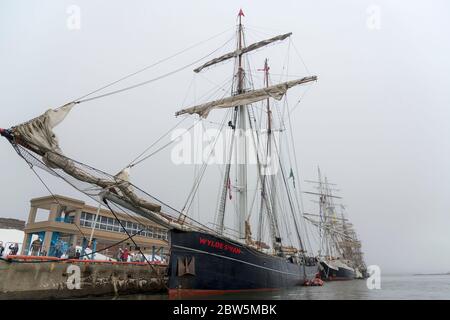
(64,220)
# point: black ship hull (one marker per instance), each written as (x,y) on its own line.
(201,263)
(329,273)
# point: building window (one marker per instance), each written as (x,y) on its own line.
(110,224)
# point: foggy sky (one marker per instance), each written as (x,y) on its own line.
(377,121)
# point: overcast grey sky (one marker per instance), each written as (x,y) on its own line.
(377,121)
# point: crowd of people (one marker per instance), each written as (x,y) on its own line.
(36,249)
(125,255)
(73,253)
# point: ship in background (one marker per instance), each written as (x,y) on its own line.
(351,247)
(340,256)
(265,255)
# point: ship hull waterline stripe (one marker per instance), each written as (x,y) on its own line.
(229,258)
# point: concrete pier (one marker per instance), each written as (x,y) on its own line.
(28,279)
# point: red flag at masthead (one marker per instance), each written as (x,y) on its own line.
(241,13)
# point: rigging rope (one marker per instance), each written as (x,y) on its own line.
(132,163)
(299,193)
(128,234)
(163,147)
(82,233)
(42,181)
(152,65)
(79,229)
(53,196)
(298,54)
(151,80)
(202,170)
(290,202)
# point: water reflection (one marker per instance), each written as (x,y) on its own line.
(392,287)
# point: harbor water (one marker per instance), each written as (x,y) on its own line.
(393,287)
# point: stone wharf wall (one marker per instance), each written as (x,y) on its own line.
(60,280)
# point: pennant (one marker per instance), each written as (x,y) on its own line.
(291,175)
(229,188)
(241,13)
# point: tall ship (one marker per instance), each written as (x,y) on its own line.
(352,248)
(266,248)
(340,256)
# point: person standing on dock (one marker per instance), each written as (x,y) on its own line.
(14,248)
(36,247)
(58,249)
(71,252)
(125,255)
(119,254)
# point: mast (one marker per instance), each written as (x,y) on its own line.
(324,241)
(270,137)
(242,143)
(269,140)
(268,187)
(332,242)
(268,194)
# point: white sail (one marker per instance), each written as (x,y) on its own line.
(275,91)
(236,53)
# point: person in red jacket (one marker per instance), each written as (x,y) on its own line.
(125,255)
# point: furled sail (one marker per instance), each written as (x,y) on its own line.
(236,53)
(275,91)
(327,227)
(38,132)
(37,135)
